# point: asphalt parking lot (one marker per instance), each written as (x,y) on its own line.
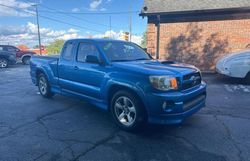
(62,128)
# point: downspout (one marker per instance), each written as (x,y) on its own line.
(158,37)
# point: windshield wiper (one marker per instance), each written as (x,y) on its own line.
(120,60)
(141,59)
(131,60)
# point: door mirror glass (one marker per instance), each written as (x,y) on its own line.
(92,59)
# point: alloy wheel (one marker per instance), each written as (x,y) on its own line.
(43,85)
(3,63)
(125,111)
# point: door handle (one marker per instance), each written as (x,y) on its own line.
(76,67)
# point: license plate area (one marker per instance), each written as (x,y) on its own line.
(194,101)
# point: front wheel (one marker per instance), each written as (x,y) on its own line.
(44,87)
(128,111)
(3,63)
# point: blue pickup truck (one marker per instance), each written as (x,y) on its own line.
(122,78)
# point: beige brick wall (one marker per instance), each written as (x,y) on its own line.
(151,39)
(199,43)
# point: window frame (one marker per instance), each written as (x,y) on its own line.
(64,51)
(14,49)
(98,56)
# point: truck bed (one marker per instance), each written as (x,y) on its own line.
(48,63)
(49,57)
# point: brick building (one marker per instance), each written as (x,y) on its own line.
(196,31)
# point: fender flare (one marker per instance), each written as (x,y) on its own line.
(25,55)
(41,71)
(129,85)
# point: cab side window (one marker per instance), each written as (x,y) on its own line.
(85,49)
(68,51)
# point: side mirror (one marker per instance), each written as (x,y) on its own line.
(92,59)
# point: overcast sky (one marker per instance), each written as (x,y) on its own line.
(18,21)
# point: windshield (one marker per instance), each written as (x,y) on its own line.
(123,51)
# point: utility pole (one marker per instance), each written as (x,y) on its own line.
(130,22)
(110,28)
(38,29)
(158,37)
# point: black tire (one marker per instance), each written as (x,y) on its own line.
(44,87)
(247,78)
(4,63)
(26,60)
(139,118)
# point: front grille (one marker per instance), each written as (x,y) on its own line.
(191,80)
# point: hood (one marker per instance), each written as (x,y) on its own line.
(154,67)
(238,55)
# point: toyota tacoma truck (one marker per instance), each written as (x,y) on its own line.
(122,78)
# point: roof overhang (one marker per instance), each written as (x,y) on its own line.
(199,15)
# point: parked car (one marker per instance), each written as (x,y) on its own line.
(6,58)
(23,56)
(235,65)
(122,78)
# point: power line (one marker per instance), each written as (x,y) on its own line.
(52,19)
(64,12)
(85,20)
(56,11)
(59,21)
(91,13)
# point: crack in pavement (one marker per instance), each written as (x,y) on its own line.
(195,147)
(97,144)
(224,107)
(58,155)
(68,145)
(40,156)
(230,138)
(4,125)
(186,141)
(13,131)
(220,113)
(133,150)
(66,141)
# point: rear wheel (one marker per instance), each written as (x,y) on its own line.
(26,60)
(3,63)
(128,111)
(44,87)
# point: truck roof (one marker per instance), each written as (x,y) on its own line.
(7,45)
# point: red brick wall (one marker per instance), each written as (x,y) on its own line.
(199,43)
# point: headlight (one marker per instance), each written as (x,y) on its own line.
(163,83)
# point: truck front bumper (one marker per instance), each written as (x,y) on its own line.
(174,107)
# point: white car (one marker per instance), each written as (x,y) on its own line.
(235,65)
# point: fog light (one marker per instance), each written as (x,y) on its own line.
(167,105)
